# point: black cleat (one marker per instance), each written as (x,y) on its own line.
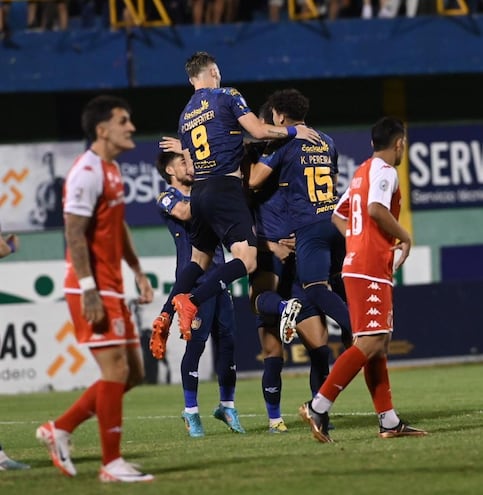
(319,422)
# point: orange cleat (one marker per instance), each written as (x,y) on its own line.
(186,313)
(159,335)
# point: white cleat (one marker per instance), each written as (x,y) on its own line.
(288,321)
(121,471)
(58,444)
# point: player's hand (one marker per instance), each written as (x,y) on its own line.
(304,132)
(168,143)
(93,310)
(404,247)
(289,242)
(145,289)
(13,239)
(279,250)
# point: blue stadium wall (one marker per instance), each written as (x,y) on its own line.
(259,51)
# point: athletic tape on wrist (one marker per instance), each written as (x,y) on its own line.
(87,283)
(291,131)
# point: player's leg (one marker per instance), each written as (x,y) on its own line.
(223,336)
(121,369)
(189,369)
(313,245)
(272,351)
(221,203)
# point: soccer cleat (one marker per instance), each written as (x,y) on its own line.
(58,445)
(7,464)
(401,430)
(278,428)
(186,314)
(229,416)
(288,320)
(319,422)
(193,424)
(159,335)
(121,471)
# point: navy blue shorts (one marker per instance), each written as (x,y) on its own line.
(313,248)
(217,315)
(220,212)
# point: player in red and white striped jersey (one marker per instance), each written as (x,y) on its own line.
(98,239)
(367,214)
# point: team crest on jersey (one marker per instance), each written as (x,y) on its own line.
(165,200)
(349,258)
(384,185)
(118,327)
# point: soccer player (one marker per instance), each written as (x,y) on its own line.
(9,245)
(367,214)
(211,129)
(98,239)
(215,316)
(274,281)
(307,180)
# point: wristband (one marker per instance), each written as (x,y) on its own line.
(87,283)
(11,245)
(291,131)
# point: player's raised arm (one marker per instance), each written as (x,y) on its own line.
(260,130)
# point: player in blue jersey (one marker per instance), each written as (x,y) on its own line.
(308,178)
(211,131)
(274,281)
(215,316)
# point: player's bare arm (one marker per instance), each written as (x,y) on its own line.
(340,222)
(75,236)
(259,173)
(259,130)
(131,258)
(386,222)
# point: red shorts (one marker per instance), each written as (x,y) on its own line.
(120,331)
(370,306)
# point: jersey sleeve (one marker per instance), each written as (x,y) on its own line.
(342,208)
(238,104)
(83,187)
(270,159)
(383,183)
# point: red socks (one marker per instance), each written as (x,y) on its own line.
(109,415)
(377,381)
(82,409)
(346,367)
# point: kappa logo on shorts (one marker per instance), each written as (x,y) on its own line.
(373,312)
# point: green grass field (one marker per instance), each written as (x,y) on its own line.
(447,401)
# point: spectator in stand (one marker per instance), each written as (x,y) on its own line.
(48,15)
(4,10)
(207,11)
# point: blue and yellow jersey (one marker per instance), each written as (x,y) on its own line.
(209,128)
(307,178)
